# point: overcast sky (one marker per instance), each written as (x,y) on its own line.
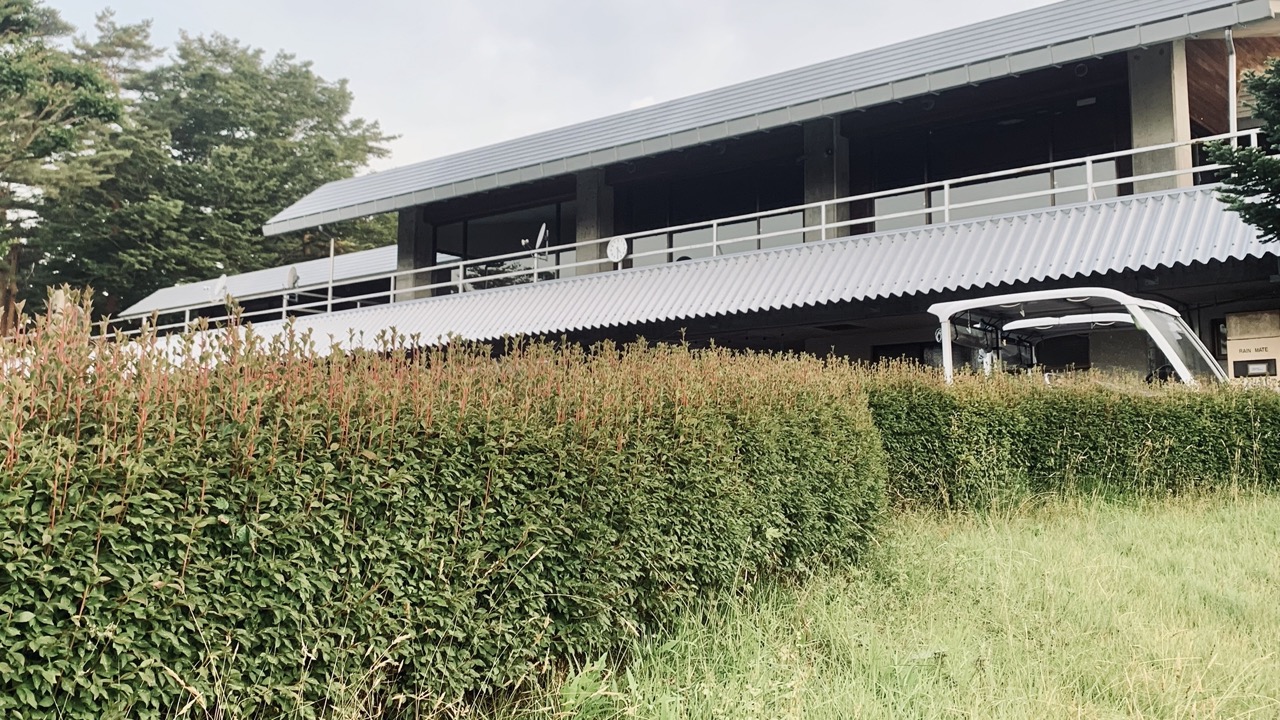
(449,76)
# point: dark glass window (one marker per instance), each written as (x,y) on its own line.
(691,244)
(511,232)
(449,240)
(649,250)
(505,233)
(1070,352)
(1054,130)
(775,227)
(567,236)
(658,204)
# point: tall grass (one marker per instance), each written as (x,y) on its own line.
(1079,609)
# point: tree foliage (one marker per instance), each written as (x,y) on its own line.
(54,108)
(47,97)
(216,139)
(1252,184)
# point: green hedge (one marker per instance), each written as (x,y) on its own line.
(990,441)
(274,534)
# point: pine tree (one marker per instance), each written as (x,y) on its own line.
(1251,186)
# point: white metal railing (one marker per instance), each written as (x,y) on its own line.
(812,222)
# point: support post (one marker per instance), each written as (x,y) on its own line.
(595,219)
(944,334)
(415,249)
(826,176)
(1160,109)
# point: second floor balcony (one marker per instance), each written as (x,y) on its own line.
(546,258)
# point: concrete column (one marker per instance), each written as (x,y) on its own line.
(595,218)
(826,173)
(1160,112)
(415,248)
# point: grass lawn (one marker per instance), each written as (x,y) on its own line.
(1077,609)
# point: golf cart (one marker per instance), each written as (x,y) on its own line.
(1009,329)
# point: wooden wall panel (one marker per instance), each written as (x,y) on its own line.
(1252,54)
(1207,86)
(1207,78)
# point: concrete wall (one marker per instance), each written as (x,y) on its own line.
(1160,113)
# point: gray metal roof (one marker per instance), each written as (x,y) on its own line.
(1163,230)
(347,267)
(1060,33)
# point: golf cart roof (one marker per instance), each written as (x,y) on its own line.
(1068,309)
(1047,327)
(1060,304)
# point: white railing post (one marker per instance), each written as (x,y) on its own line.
(715,239)
(823,220)
(332,254)
(1090,191)
(946,202)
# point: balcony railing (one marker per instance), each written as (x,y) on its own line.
(1069,181)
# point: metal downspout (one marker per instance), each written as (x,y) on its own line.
(1233,120)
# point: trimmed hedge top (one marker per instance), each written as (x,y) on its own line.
(984,442)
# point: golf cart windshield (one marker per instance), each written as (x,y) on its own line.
(1010,328)
(1182,344)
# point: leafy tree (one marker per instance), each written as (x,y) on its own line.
(217,139)
(53,108)
(1252,183)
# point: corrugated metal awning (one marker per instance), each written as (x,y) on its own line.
(1064,32)
(346,268)
(1145,232)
